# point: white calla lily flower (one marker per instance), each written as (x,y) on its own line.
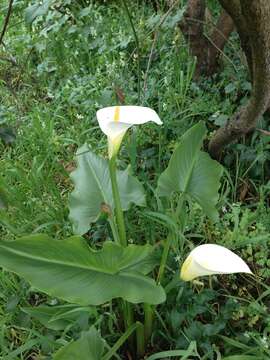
(212,259)
(114,121)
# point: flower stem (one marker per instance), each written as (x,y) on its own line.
(140,340)
(127,307)
(129,314)
(148,321)
(117,203)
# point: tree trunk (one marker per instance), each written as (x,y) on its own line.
(252,20)
(206,49)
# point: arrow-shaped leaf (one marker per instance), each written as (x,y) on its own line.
(93,188)
(70,270)
(193,172)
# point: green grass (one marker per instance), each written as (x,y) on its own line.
(70,66)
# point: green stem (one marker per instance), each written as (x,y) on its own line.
(129,315)
(140,340)
(117,203)
(127,308)
(138,49)
(148,321)
(129,321)
(114,231)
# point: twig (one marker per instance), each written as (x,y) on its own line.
(6,21)
(264,132)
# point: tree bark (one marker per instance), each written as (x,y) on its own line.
(233,8)
(192,28)
(252,20)
(218,39)
(206,49)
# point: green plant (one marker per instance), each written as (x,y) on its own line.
(70,270)
(55,72)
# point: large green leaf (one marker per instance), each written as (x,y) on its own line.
(90,346)
(93,188)
(69,269)
(193,172)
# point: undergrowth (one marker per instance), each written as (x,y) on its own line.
(72,60)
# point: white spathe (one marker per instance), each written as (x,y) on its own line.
(114,121)
(212,259)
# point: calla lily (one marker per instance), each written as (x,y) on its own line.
(212,259)
(114,121)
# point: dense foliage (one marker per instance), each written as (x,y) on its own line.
(61,61)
